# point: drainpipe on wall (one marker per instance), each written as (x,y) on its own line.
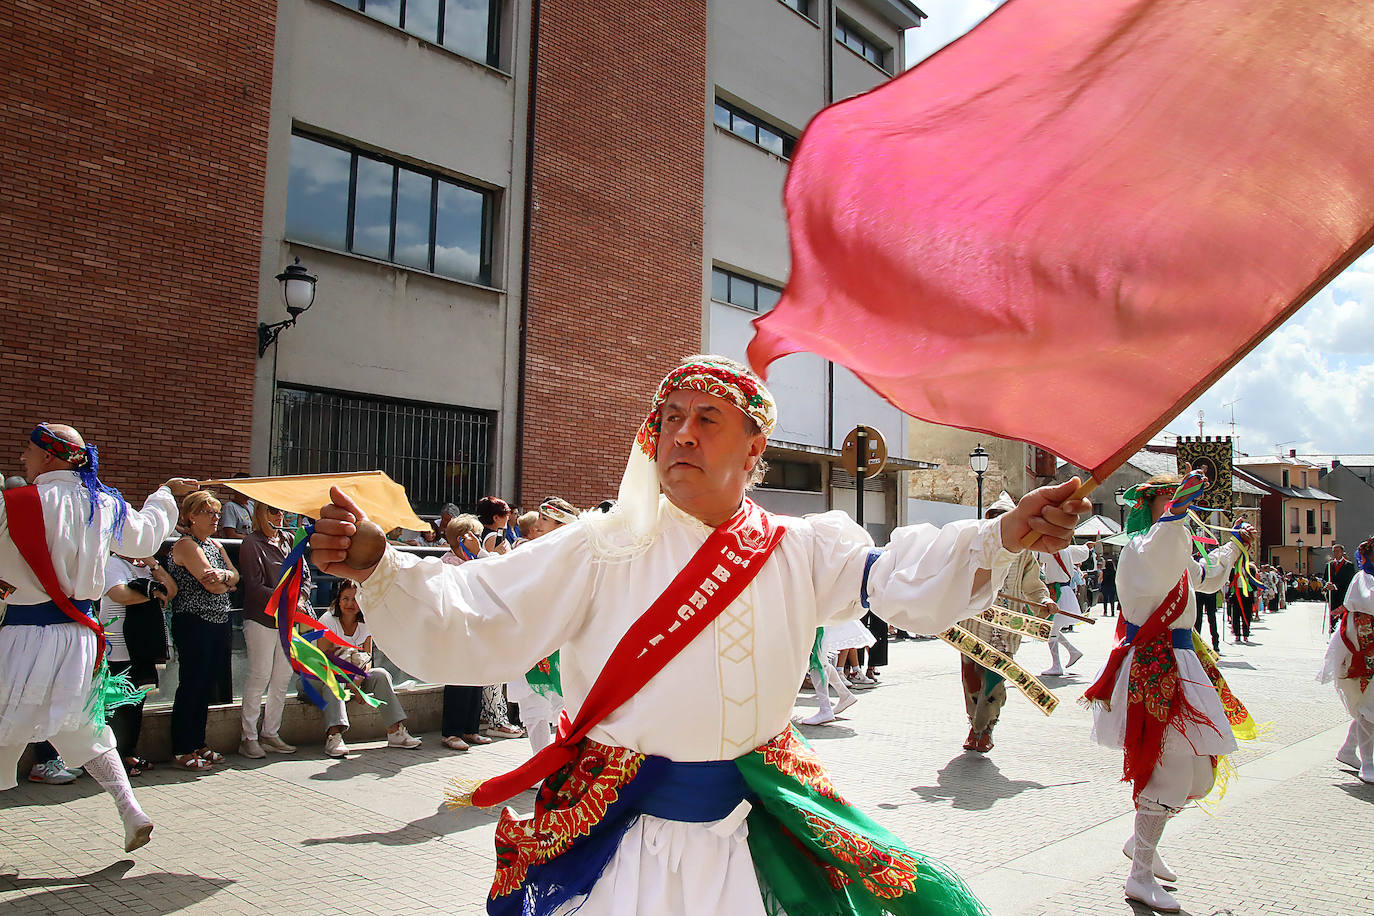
(526,233)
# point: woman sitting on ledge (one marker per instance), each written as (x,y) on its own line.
(345,620)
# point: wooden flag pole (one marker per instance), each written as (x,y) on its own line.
(1092,483)
(1006,597)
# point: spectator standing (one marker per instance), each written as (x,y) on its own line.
(236,514)
(131,584)
(345,620)
(494,514)
(461,725)
(1109,603)
(260,557)
(1340,572)
(200,626)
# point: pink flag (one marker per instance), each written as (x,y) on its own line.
(1068,224)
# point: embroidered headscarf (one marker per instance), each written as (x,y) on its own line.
(716,376)
(630,526)
(1139,498)
(560,510)
(86,463)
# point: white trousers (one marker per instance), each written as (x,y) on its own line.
(1179,777)
(268,668)
(76,747)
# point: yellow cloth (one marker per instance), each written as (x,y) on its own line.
(383,499)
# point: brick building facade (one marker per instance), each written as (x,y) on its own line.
(614,295)
(131,206)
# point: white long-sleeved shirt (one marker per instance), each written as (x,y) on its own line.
(732,688)
(1152,563)
(79,551)
(1072,556)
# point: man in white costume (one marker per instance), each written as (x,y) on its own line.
(50,663)
(1155,699)
(1349,663)
(1062,576)
(726,696)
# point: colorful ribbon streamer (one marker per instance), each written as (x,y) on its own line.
(299,632)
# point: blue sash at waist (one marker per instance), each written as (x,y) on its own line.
(1181,638)
(45,614)
(696,792)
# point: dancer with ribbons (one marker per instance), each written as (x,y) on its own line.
(679,785)
(1350,663)
(1063,578)
(56,536)
(985,691)
(1159,697)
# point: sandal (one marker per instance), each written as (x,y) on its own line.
(477,739)
(135,766)
(454,743)
(504,731)
(210,756)
(192,761)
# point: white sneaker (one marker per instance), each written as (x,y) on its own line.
(275,744)
(251,749)
(818,718)
(334,745)
(1052,672)
(844,703)
(402,738)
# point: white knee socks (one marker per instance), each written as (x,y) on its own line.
(1150,819)
(109,772)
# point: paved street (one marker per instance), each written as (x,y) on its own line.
(1035,827)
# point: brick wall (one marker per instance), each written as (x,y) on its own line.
(615,279)
(131,200)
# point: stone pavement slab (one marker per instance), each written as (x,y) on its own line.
(1035,827)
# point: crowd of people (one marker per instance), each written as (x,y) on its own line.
(527,604)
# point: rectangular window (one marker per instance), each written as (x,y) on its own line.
(1304,480)
(1293,520)
(469,27)
(439,453)
(357,201)
(802,6)
(861,43)
(754,129)
(1311,522)
(742,291)
(1326,521)
(793,475)
(1285,477)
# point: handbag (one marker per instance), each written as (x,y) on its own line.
(145,627)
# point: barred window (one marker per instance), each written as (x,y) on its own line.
(439,453)
(365,203)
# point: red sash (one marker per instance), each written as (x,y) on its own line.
(715,576)
(24,511)
(1101,690)
(1359,654)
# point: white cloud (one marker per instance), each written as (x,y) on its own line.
(1308,386)
(948,20)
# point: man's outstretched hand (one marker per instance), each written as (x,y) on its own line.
(1048,512)
(346,543)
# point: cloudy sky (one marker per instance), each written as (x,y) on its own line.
(1301,388)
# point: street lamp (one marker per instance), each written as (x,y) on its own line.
(978,460)
(298,292)
(1121,506)
(1300,556)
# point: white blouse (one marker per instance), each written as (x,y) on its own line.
(1150,567)
(728,691)
(80,550)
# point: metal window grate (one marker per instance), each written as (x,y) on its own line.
(439,454)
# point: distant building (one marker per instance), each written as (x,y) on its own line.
(1299,523)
